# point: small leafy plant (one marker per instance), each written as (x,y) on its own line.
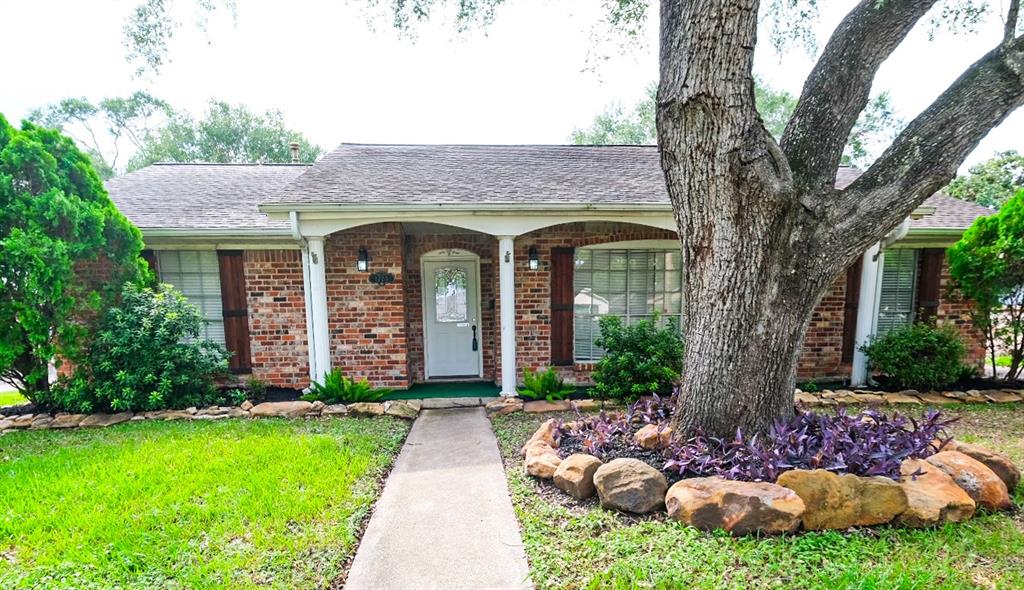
(918,356)
(597,433)
(640,359)
(337,388)
(544,385)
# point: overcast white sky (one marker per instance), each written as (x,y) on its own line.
(523,80)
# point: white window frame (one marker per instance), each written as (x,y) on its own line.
(886,286)
(206,298)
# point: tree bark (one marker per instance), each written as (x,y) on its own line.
(764,232)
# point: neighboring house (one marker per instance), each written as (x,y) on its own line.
(404,263)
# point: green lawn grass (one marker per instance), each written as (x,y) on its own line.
(578,545)
(11,398)
(230,504)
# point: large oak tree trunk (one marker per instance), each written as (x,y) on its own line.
(764,231)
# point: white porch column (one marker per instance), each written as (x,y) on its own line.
(865,313)
(319,337)
(507,291)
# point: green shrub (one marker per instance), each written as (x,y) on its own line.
(545,385)
(640,359)
(918,356)
(337,388)
(146,354)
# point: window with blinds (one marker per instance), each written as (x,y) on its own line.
(196,273)
(898,296)
(632,284)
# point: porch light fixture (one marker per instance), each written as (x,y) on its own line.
(363,262)
(534,260)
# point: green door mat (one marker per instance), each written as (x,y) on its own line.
(467,389)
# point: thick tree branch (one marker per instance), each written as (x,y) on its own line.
(926,155)
(1010,27)
(839,87)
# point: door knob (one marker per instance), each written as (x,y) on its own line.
(475,344)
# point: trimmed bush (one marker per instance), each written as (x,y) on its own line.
(146,354)
(918,356)
(640,359)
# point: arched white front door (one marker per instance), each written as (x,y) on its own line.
(452,340)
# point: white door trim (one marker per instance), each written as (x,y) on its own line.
(450,254)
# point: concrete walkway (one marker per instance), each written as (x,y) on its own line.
(445,519)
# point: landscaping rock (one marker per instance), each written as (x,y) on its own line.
(366,409)
(546,434)
(936,399)
(104,420)
(213,411)
(293,409)
(980,482)
(246,405)
(864,398)
(806,399)
(999,463)
(630,485)
(542,460)
(652,437)
(209,417)
(19,422)
(738,507)
(933,498)
(975,397)
(401,409)
(67,420)
(334,410)
(575,475)
(1002,397)
(542,406)
(504,405)
(170,415)
(908,396)
(586,405)
(41,422)
(318,406)
(842,501)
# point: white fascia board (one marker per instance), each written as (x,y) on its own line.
(535,208)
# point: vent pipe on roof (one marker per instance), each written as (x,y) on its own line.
(295,151)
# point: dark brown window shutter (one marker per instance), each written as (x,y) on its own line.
(562,265)
(850,309)
(928,278)
(236,310)
(150,257)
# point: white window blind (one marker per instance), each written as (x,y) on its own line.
(632,284)
(898,296)
(196,273)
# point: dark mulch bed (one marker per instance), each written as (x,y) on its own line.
(620,448)
(980,383)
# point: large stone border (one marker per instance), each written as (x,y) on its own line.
(828,397)
(407,409)
(947,486)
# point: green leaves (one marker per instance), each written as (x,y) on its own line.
(336,388)
(639,360)
(546,385)
(62,242)
(918,356)
(991,183)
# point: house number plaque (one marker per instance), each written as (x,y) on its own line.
(382,278)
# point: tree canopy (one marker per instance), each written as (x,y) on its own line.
(62,241)
(616,125)
(150,130)
(992,182)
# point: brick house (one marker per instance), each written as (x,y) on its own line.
(407,263)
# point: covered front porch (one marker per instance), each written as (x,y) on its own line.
(447,294)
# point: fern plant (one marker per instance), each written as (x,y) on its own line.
(337,388)
(544,385)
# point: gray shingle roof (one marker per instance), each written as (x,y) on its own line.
(949,213)
(227,196)
(201,196)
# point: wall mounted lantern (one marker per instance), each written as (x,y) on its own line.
(534,260)
(363,262)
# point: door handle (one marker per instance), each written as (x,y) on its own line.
(476,345)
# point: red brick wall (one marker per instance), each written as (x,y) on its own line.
(822,355)
(367,322)
(416,246)
(277,317)
(956,312)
